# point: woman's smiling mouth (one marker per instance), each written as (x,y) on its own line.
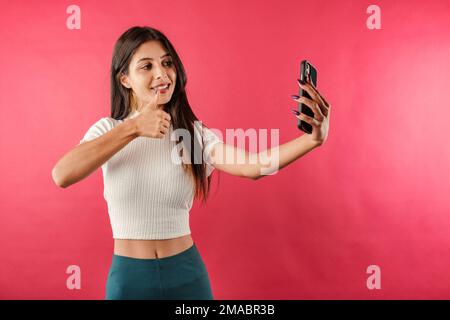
(162,89)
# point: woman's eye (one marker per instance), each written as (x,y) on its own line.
(169,63)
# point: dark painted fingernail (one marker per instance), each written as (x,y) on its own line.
(295,111)
(295,96)
(302,82)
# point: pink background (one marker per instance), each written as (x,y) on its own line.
(375,193)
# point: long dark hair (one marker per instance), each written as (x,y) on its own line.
(178,107)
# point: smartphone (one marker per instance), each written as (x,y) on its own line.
(306,68)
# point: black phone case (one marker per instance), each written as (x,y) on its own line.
(305,69)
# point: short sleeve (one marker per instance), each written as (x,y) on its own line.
(210,139)
(97,129)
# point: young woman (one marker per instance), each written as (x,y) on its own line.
(149,194)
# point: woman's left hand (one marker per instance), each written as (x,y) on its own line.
(321,108)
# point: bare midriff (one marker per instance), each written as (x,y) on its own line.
(151,249)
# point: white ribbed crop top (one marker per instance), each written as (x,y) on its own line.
(149,196)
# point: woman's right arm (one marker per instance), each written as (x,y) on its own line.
(85,158)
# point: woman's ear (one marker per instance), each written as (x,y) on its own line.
(124,81)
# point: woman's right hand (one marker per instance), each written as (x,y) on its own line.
(152,121)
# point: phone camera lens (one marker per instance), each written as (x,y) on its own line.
(307,68)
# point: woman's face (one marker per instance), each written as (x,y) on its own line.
(150,66)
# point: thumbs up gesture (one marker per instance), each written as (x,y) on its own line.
(152,121)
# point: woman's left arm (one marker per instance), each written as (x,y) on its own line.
(255,165)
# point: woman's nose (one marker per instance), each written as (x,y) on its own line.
(159,73)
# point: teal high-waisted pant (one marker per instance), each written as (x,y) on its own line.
(180,276)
